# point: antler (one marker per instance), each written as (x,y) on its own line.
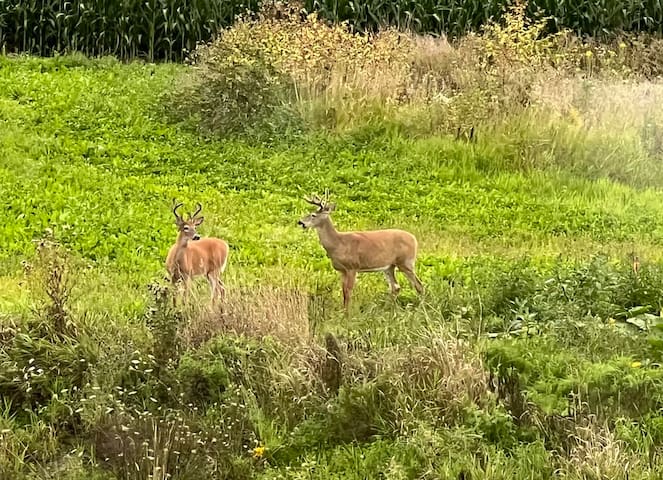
(175,207)
(321,203)
(315,200)
(199,207)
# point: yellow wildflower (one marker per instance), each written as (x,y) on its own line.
(258,452)
(636,365)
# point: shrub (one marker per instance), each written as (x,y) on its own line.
(284,70)
(271,73)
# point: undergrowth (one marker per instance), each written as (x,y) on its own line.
(527,166)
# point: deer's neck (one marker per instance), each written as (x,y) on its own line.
(182,243)
(329,237)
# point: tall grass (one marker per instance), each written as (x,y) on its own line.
(155,29)
(168,29)
(455,18)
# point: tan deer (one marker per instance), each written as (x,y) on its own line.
(192,256)
(370,251)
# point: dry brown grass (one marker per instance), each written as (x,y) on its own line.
(338,79)
(436,377)
(447,369)
(602,104)
(598,455)
(257,311)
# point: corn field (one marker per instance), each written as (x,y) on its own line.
(595,18)
(167,29)
(151,29)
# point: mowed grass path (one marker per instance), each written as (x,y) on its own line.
(85,150)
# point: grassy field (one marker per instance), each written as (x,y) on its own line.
(526,358)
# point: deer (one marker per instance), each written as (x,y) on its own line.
(192,256)
(365,251)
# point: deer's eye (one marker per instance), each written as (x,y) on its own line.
(186,228)
(313,215)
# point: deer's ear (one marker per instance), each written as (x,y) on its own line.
(179,222)
(198,221)
(331,207)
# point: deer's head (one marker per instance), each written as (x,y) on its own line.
(188,227)
(317,218)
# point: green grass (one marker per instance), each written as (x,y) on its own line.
(509,252)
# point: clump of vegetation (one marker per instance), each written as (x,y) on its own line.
(278,70)
(285,70)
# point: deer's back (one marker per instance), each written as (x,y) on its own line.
(374,250)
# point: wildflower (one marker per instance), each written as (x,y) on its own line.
(612,321)
(622,45)
(258,452)
(636,365)
(589,54)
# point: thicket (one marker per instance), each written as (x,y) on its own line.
(273,74)
(567,383)
(168,29)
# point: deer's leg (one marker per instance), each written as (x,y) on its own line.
(217,286)
(175,280)
(408,269)
(212,285)
(348,284)
(390,275)
(187,288)
(221,288)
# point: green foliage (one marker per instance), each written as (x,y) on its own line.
(154,30)
(166,29)
(234,91)
(528,357)
(456,18)
(165,324)
(202,382)
(569,384)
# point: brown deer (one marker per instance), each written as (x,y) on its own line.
(192,256)
(370,251)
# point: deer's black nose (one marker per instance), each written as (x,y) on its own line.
(196,237)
